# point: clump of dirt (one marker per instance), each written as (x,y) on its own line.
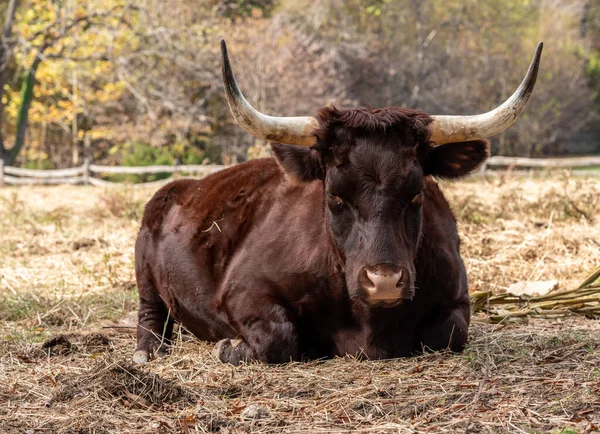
(216,423)
(61,345)
(131,385)
(87,243)
(95,342)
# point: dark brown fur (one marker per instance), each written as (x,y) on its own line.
(273,251)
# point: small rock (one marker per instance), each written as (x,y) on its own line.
(532,289)
(254,411)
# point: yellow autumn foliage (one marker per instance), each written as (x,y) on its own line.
(72,76)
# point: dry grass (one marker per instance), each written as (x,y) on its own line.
(66,274)
(528,229)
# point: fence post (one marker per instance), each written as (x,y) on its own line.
(86,171)
(1,172)
(483,170)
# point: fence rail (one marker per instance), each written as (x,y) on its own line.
(84,174)
(547,163)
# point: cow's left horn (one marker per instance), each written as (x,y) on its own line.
(452,129)
(290,130)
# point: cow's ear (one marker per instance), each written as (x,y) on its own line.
(301,163)
(456,160)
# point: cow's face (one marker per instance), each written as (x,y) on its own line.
(375,195)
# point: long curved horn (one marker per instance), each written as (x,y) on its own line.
(452,129)
(290,130)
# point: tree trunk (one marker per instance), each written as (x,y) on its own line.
(5,53)
(26,97)
(74,130)
(416,93)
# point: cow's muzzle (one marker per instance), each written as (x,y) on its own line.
(386,284)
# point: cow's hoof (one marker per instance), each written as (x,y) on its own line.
(154,350)
(141,356)
(229,351)
(220,348)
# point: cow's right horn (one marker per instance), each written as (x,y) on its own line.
(290,130)
(453,129)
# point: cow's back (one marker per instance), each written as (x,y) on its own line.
(246,184)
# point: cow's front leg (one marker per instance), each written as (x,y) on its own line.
(266,333)
(449,329)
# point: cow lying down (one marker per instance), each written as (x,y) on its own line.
(342,243)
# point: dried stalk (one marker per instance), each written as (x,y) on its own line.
(584,300)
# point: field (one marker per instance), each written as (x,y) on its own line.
(67,316)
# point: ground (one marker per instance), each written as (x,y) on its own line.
(67,317)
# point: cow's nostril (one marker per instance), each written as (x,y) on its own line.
(384,280)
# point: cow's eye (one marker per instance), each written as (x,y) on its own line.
(418,200)
(335,203)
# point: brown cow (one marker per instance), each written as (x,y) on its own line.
(341,244)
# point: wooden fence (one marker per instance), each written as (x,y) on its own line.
(85,174)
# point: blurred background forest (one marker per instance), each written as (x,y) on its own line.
(138,82)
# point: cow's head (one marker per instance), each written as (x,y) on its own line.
(373,165)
